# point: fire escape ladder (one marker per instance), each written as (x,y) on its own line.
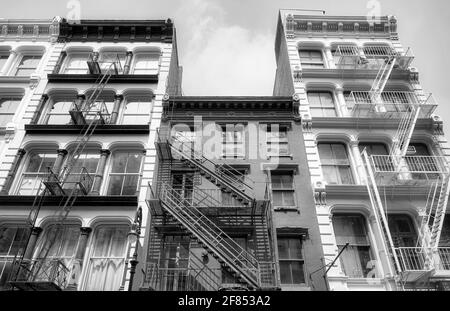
(223,176)
(439,213)
(379,210)
(230,254)
(202,275)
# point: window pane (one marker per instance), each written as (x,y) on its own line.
(3,59)
(285,273)
(298,276)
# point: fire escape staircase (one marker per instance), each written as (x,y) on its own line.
(45,274)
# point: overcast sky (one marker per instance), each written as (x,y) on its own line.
(227,46)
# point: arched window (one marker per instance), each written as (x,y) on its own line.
(335,163)
(126,168)
(107,258)
(357,259)
(321,104)
(146,64)
(137,111)
(311,58)
(35,170)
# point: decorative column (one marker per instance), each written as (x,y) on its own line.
(359,165)
(126,67)
(118,99)
(39,109)
(330,58)
(8,63)
(342,104)
(32,243)
(77,265)
(59,161)
(98,178)
(59,62)
(13,172)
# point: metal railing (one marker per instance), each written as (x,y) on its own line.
(42,271)
(414,258)
(83,114)
(409,164)
(391,104)
(442,261)
(211,235)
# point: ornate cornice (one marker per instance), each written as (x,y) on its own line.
(27,30)
(117,31)
(298,25)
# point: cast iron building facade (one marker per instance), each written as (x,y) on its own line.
(376,151)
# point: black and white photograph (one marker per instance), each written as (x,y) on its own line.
(221,154)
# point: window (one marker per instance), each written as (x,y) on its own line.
(137,112)
(283,190)
(445,235)
(28,65)
(125,173)
(402,231)
(8,108)
(146,64)
(233,137)
(36,170)
(107,58)
(12,239)
(335,164)
(321,104)
(291,261)
(311,59)
(58,113)
(375,149)
(107,258)
(277,140)
(77,64)
(357,260)
(3,59)
(57,242)
(86,163)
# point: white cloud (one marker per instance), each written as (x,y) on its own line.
(221,59)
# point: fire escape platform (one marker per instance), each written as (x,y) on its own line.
(90,200)
(35,286)
(78,129)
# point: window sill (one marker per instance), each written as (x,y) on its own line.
(286,209)
(76,129)
(280,156)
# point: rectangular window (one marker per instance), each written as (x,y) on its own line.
(146,64)
(445,236)
(321,104)
(277,140)
(291,261)
(77,64)
(27,65)
(311,59)
(233,141)
(125,173)
(36,170)
(283,190)
(335,164)
(12,239)
(137,112)
(8,108)
(107,258)
(112,61)
(356,260)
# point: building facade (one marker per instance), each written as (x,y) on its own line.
(82,137)
(375,150)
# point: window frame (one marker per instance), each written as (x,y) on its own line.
(19,60)
(276,140)
(143,54)
(283,190)
(322,107)
(11,98)
(69,59)
(110,173)
(290,260)
(236,143)
(49,108)
(335,165)
(311,63)
(123,113)
(369,243)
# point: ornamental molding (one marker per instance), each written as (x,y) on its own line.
(339,26)
(28,30)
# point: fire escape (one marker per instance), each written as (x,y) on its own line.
(41,272)
(202,214)
(412,266)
